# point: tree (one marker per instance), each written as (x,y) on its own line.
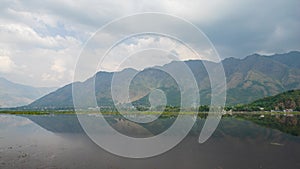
(204,108)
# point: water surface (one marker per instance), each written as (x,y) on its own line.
(58,141)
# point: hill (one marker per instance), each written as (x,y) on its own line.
(248,79)
(282,101)
(259,76)
(14,94)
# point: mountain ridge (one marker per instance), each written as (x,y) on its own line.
(253,77)
(13,94)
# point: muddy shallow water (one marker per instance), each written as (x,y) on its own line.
(57,141)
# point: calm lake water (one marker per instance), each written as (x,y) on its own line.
(57,141)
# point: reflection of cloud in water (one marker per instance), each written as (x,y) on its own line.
(13,121)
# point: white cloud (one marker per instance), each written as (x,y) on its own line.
(59,72)
(6,64)
(14,121)
(43,60)
(146,51)
(22,36)
(58,66)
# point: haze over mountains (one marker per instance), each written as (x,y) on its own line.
(13,94)
(248,79)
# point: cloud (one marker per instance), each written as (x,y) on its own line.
(58,72)
(44,38)
(6,64)
(251,26)
(24,37)
(31,54)
(58,66)
(13,121)
(143,51)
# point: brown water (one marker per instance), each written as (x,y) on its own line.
(58,142)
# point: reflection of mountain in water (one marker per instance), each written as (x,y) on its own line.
(57,123)
(71,124)
(228,127)
(235,144)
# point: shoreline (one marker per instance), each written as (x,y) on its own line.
(144,113)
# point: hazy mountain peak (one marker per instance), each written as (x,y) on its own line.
(14,94)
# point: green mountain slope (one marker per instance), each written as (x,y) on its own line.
(282,101)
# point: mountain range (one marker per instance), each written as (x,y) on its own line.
(14,94)
(248,79)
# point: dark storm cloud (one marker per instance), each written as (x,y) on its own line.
(269,27)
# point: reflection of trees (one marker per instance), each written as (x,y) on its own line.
(286,123)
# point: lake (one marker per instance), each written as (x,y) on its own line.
(58,141)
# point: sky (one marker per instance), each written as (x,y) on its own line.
(40,41)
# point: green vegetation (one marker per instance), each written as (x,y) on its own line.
(204,108)
(289,100)
(286,100)
(24,112)
(18,112)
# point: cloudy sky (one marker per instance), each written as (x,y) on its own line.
(40,41)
